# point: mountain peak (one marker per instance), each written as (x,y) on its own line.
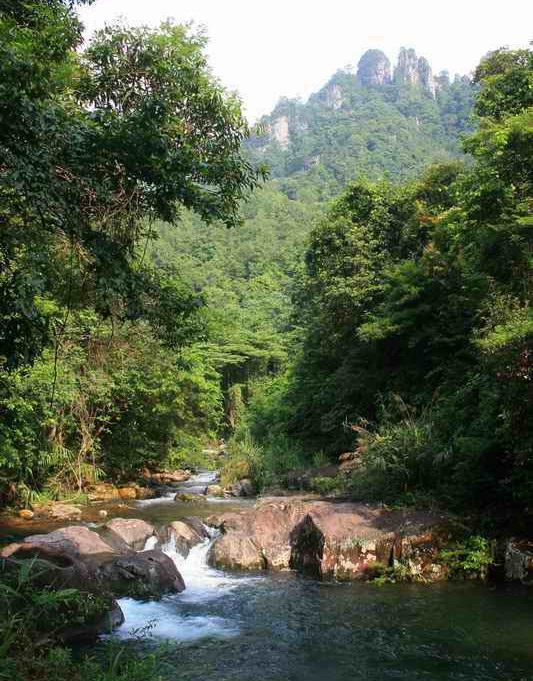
(374,68)
(414,70)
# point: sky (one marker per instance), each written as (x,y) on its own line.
(265,50)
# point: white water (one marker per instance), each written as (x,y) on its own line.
(151,543)
(174,617)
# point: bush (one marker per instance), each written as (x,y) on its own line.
(31,622)
(468,559)
(401,456)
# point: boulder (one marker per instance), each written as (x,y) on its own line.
(342,540)
(102,491)
(127,492)
(58,511)
(236,550)
(167,477)
(215,491)
(105,491)
(183,536)
(146,575)
(76,557)
(98,625)
(74,541)
(242,488)
(129,531)
(518,561)
(48,568)
(144,492)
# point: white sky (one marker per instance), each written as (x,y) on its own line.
(291,47)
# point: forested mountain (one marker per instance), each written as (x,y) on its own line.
(415,324)
(372,299)
(372,121)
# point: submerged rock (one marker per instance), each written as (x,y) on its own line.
(189,497)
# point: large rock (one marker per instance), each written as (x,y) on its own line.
(236,550)
(79,558)
(105,491)
(73,541)
(102,491)
(185,534)
(103,613)
(146,575)
(343,540)
(129,531)
(167,477)
(89,630)
(518,561)
(58,511)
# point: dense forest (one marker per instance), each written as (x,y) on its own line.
(371,297)
(350,278)
(99,372)
(412,320)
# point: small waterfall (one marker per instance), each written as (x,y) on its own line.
(196,484)
(150,543)
(176,617)
(203,582)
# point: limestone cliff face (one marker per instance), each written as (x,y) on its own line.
(280,131)
(332,96)
(413,70)
(374,68)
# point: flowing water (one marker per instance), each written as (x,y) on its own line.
(280,627)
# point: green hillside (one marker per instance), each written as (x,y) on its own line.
(370,122)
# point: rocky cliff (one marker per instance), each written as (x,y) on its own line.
(372,119)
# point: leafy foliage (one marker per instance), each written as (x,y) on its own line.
(97,372)
(415,311)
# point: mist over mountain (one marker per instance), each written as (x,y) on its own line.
(374,120)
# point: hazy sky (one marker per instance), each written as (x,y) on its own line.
(291,47)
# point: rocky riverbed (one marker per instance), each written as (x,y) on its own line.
(257,588)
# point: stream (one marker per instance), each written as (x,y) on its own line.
(282,627)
